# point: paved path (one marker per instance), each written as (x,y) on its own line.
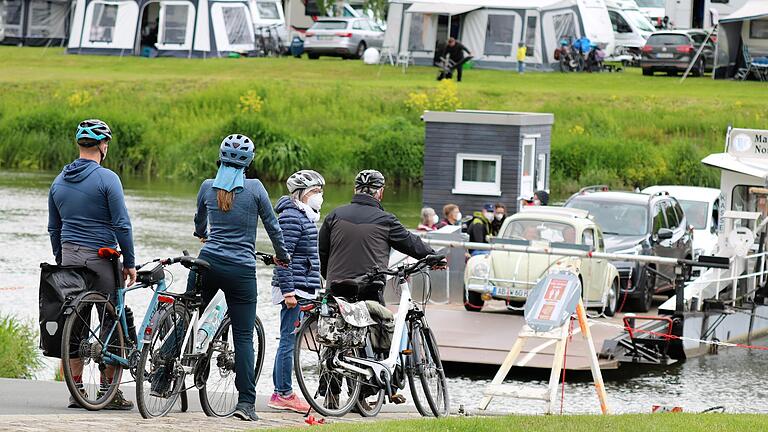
(27,405)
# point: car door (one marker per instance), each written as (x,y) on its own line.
(599,269)
(588,265)
(670,248)
(660,247)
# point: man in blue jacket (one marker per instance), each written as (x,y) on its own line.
(86,211)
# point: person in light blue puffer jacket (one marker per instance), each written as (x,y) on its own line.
(298,215)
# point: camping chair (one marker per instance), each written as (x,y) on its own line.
(405,59)
(760,68)
(387,56)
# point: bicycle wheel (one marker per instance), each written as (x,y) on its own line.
(329,390)
(160,378)
(426,365)
(88,329)
(218,395)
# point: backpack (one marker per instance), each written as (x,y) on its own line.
(59,285)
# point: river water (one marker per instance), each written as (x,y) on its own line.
(162,212)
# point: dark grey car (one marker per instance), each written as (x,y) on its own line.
(671,51)
(640,224)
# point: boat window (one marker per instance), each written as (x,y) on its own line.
(239,30)
(103,22)
(696,212)
(499,32)
(534,230)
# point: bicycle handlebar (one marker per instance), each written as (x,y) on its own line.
(407,270)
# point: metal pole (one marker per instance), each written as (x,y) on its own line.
(680,288)
(698,53)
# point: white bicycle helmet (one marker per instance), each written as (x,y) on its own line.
(304,179)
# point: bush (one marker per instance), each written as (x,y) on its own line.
(396,148)
(19,356)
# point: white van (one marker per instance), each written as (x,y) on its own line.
(686,14)
(655,10)
(631,27)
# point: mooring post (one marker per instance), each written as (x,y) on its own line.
(680,271)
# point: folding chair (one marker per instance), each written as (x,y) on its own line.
(405,59)
(387,56)
(759,68)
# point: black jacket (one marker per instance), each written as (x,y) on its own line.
(356,237)
(456,51)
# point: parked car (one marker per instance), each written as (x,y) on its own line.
(671,51)
(701,207)
(640,224)
(510,276)
(342,37)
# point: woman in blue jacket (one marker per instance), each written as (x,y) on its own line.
(228,210)
(298,216)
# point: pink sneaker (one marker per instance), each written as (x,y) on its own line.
(291,403)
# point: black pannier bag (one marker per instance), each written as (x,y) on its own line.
(59,285)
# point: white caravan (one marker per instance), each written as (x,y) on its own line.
(655,10)
(686,14)
(631,27)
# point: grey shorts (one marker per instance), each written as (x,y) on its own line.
(76,255)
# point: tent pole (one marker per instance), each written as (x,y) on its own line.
(698,53)
(449,27)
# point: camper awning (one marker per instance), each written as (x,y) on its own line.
(441,9)
(755,167)
(753,9)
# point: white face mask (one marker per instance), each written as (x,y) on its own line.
(435,219)
(499,216)
(458,217)
(315,201)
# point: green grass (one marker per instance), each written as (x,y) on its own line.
(19,357)
(618,423)
(338,116)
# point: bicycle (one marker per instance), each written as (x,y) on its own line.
(168,356)
(328,363)
(270,44)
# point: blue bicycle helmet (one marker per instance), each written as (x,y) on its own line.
(91,132)
(236,150)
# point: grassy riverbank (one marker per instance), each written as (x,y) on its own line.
(19,357)
(339,116)
(619,423)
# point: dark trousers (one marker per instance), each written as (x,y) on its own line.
(459,69)
(239,285)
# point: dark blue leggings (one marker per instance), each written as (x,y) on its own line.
(239,285)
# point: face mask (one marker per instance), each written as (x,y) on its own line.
(315,201)
(499,216)
(458,217)
(435,219)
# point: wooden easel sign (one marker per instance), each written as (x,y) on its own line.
(547,311)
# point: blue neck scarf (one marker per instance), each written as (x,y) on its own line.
(229,178)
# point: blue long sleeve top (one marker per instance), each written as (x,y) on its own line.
(86,207)
(232,234)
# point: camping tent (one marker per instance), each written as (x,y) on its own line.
(34,22)
(492,29)
(747,26)
(174,28)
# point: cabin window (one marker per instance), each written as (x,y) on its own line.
(565,26)
(498,35)
(530,35)
(236,23)
(268,10)
(758,29)
(11,16)
(103,22)
(750,199)
(478,174)
(416,33)
(175,24)
(620,25)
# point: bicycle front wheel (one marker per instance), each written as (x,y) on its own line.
(329,389)
(160,378)
(218,395)
(92,325)
(425,365)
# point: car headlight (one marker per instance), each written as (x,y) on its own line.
(634,250)
(481,270)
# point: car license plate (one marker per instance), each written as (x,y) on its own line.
(328,37)
(664,55)
(511,292)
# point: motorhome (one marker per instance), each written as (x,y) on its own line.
(686,14)
(655,10)
(631,27)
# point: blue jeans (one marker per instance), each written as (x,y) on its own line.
(239,285)
(281,374)
(520,67)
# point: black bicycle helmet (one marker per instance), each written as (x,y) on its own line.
(369,181)
(91,132)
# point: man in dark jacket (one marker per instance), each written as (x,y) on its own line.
(481,228)
(356,237)
(456,50)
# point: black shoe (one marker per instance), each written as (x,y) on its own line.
(398,399)
(245,412)
(119,403)
(73,403)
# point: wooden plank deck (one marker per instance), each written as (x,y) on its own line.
(486,337)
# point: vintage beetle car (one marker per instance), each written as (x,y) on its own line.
(509,276)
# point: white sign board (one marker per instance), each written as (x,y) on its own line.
(748,143)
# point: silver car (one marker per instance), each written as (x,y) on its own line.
(342,37)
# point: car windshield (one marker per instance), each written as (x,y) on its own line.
(530,229)
(639,20)
(668,39)
(651,3)
(696,212)
(616,218)
(329,25)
